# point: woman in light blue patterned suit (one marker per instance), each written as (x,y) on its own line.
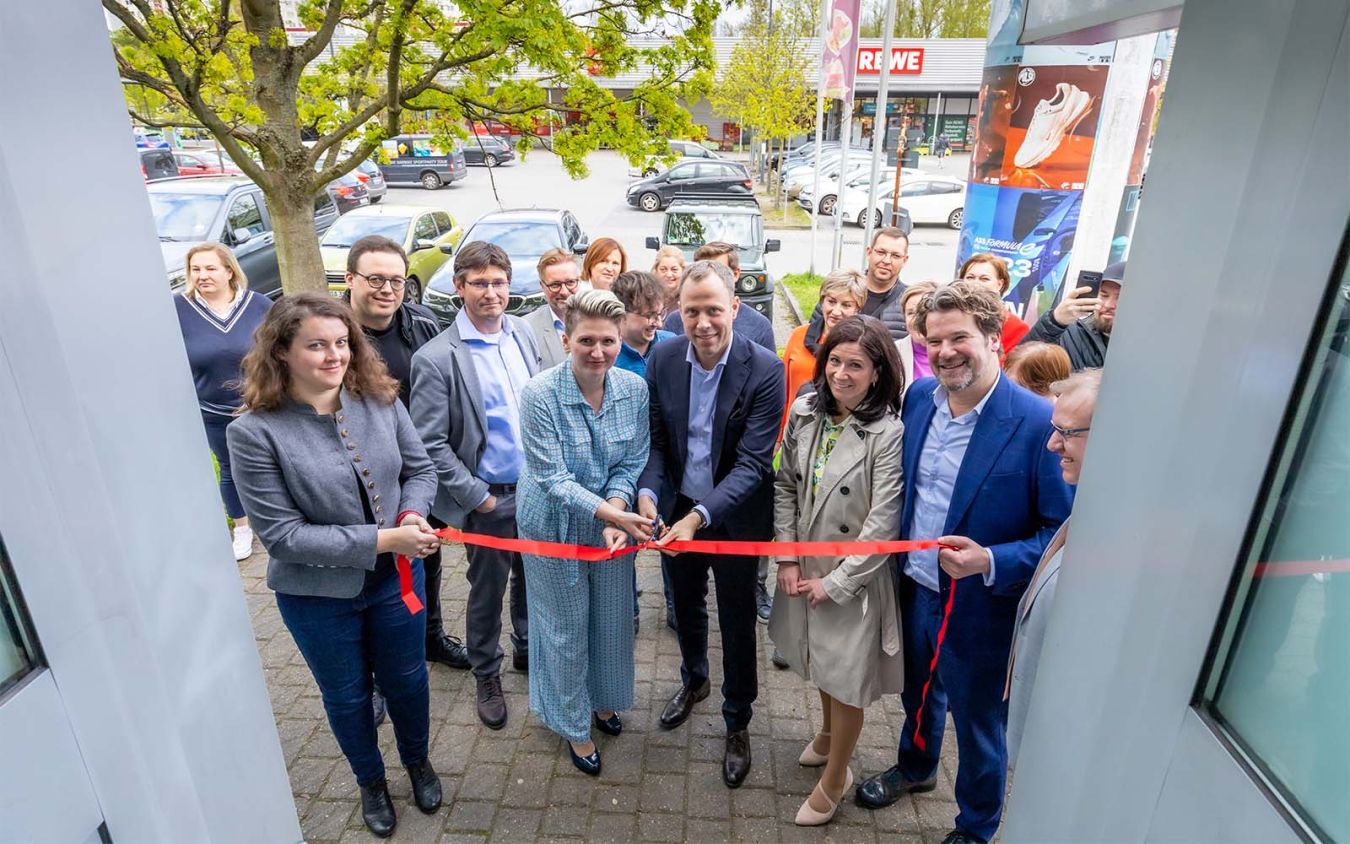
(585,429)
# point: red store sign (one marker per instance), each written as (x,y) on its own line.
(903,60)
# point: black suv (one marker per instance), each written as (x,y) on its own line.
(693,221)
(690,176)
(488,150)
(525,234)
(227,209)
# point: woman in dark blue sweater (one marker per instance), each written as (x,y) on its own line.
(218,315)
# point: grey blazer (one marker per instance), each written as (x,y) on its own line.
(447,410)
(551,351)
(1033,615)
(299,475)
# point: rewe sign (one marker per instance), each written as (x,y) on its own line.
(903,60)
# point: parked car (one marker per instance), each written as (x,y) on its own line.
(854,179)
(691,222)
(415,160)
(488,150)
(829,165)
(227,209)
(420,231)
(807,153)
(691,176)
(149,139)
(683,149)
(369,174)
(158,164)
(928,199)
(525,234)
(348,192)
(203,162)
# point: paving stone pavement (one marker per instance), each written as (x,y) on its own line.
(517,784)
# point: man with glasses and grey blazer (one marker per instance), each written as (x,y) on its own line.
(466,387)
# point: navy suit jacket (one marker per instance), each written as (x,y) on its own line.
(1009,496)
(750,400)
(750,324)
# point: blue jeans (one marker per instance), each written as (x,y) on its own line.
(346,642)
(215,425)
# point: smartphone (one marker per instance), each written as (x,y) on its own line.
(1092,279)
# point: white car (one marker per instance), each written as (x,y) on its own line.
(927,198)
(681,149)
(854,180)
(794,182)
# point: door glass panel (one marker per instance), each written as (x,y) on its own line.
(18,653)
(1280,683)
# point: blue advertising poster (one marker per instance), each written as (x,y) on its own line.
(1032,229)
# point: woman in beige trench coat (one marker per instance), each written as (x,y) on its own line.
(839,479)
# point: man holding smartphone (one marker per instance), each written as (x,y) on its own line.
(1081,323)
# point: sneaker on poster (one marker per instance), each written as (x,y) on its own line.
(1053,119)
(242,539)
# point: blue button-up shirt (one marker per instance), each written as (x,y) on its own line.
(944,448)
(633,361)
(502,373)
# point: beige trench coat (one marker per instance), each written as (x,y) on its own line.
(849,647)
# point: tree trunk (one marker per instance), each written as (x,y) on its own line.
(298,257)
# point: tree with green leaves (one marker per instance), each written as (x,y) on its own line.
(766,84)
(930,19)
(295,111)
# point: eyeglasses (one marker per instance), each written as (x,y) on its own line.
(555,286)
(377,282)
(650,316)
(484,286)
(886,253)
(1069,433)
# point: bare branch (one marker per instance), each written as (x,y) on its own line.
(130,21)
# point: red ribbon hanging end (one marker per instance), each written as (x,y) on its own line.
(405,585)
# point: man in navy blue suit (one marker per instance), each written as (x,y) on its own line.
(977,475)
(716,401)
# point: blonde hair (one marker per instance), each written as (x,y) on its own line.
(848,282)
(238,281)
(592,304)
(920,288)
(668,251)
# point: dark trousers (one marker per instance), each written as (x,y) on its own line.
(215,425)
(735,578)
(489,572)
(971,687)
(347,640)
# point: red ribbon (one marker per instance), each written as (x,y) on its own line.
(405,585)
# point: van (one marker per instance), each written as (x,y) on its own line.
(415,160)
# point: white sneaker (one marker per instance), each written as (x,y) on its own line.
(243,542)
(1053,119)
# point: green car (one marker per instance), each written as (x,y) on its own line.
(421,231)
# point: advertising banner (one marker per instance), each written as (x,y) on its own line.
(838,56)
(903,60)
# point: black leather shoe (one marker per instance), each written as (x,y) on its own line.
(377,707)
(610,726)
(426,786)
(589,765)
(520,660)
(957,836)
(883,789)
(377,810)
(447,650)
(736,764)
(682,703)
(491,702)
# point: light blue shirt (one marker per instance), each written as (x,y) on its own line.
(502,374)
(631,360)
(944,448)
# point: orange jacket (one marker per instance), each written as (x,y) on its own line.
(800,365)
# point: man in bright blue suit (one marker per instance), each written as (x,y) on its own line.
(978,475)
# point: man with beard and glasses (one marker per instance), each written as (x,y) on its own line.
(886,257)
(979,477)
(1081,324)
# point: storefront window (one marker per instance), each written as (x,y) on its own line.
(17,653)
(1280,686)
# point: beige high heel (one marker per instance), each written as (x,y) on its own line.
(810,758)
(807,816)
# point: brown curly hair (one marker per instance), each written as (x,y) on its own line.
(970,297)
(265,377)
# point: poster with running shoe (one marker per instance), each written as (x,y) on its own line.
(839,55)
(1041,127)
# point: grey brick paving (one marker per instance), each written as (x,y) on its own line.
(517,785)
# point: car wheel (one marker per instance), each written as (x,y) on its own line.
(955,218)
(430,180)
(649,172)
(412,292)
(650,202)
(827,206)
(862,219)
(490,160)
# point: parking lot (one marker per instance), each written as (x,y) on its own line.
(598,202)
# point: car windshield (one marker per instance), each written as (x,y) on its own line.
(184,216)
(349,229)
(693,230)
(525,238)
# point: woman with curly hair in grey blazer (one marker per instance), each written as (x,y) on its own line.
(337,484)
